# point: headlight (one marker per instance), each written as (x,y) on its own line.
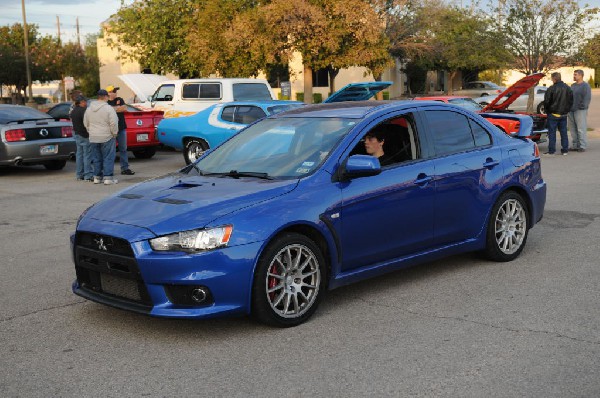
(193,241)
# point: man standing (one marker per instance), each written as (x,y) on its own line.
(582,95)
(83,156)
(119,106)
(102,124)
(558,101)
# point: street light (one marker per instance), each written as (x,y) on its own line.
(30,101)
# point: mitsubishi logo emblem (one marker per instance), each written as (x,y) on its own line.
(44,133)
(101,245)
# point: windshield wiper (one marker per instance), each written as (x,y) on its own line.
(238,174)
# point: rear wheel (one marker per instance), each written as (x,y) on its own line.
(145,153)
(289,281)
(194,148)
(55,164)
(507,228)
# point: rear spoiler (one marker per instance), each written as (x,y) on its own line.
(525,123)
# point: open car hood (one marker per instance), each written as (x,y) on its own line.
(508,96)
(142,84)
(357,91)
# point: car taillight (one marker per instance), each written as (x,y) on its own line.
(157,120)
(66,131)
(536,150)
(15,135)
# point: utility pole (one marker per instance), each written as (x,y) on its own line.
(58,27)
(78,39)
(30,101)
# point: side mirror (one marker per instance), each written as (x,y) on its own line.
(357,166)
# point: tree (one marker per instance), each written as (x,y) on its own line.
(590,52)
(154,33)
(12,55)
(540,34)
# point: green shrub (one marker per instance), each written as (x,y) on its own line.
(317,98)
(300,97)
(592,82)
(386,95)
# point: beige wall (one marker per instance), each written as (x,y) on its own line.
(566,72)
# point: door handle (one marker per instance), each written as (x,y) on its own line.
(423,179)
(490,163)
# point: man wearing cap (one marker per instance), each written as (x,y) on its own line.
(102,124)
(119,106)
(83,156)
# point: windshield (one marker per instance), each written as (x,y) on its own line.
(466,103)
(277,148)
(20,113)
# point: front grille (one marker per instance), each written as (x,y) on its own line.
(106,265)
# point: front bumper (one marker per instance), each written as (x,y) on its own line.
(142,281)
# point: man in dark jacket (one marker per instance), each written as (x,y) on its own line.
(558,101)
(83,156)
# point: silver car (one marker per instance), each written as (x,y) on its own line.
(28,137)
(520,104)
(479,88)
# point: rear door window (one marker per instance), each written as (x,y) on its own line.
(251,92)
(450,131)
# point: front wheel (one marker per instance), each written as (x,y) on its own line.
(289,281)
(507,228)
(194,148)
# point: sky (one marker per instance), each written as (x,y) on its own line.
(92,13)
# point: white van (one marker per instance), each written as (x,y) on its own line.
(188,96)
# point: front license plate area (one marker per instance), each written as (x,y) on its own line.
(48,149)
(142,137)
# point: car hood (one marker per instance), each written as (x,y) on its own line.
(508,96)
(142,84)
(178,202)
(357,91)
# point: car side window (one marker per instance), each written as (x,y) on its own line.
(227,113)
(480,135)
(450,131)
(164,93)
(399,138)
(201,91)
(248,114)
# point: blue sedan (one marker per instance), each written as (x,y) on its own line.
(300,202)
(207,129)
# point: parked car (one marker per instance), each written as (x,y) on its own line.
(291,206)
(29,137)
(206,129)
(479,89)
(521,98)
(141,128)
(501,103)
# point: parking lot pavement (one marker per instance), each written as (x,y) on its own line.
(460,327)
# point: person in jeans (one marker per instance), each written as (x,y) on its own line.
(582,95)
(558,101)
(83,155)
(119,106)
(102,124)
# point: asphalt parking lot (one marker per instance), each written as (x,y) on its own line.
(460,327)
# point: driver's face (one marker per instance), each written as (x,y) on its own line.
(373,145)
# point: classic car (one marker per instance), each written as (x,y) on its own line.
(208,128)
(291,206)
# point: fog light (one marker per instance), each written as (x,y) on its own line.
(199,295)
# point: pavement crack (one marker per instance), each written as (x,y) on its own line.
(10,318)
(504,328)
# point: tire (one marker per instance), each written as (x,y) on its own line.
(55,164)
(284,294)
(145,153)
(194,148)
(541,109)
(508,228)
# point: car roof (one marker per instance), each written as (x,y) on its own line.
(441,97)
(348,109)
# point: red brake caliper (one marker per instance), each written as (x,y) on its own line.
(272,281)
